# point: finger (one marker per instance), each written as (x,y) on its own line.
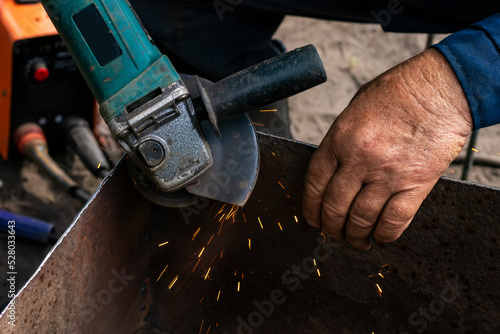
(319,174)
(397,215)
(339,196)
(364,213)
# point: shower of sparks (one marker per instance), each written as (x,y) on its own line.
(196,233)
(173,282)
(281,185)
(202,325)
(238,287)
(99,166)
(162,273)
(249,243)
(262,227)
(319,274)
(202,250)
(258,124)
(296,219)
(270,110)
(163,244)
(208,272)
(474,150)
(208,243)
(379,290)
(281,228)
(218,296)
(201,299)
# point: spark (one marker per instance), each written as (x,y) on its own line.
(262,227)
(107,151)
(202,250)
(233,213)
(218,296)
(380,274)
(270,110)
(281,228)
(221,252)
(208,272)
(474,150)
(209,328)
(244,218)
(230,211)
(163,244)
(162,273)
(385,265)
(235,272)
(296,219)
(314,261)
(202,325)
(288,196)
(221,209)
(196,265)
(281,185)
(196,233)
(242,276)
(173,282)
(323,236)
(451,170)
(379,290)
(208,243)
(275,154)
(238,287)
(319,274)
(220,228)
(212,260)
(99,166)
(249,243)
(258,124)
(201,299)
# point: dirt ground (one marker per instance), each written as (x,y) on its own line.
(352,54)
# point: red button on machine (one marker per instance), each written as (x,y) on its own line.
(41,72)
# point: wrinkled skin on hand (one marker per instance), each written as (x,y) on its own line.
(386,151)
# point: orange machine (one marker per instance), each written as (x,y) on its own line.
(39,82)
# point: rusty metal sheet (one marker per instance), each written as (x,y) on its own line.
(262,269)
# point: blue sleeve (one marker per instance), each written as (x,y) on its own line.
(474,54)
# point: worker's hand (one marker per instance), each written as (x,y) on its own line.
(385,152)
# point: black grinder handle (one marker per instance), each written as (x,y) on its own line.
(267,82)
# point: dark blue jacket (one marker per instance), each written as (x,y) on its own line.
(473,50)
